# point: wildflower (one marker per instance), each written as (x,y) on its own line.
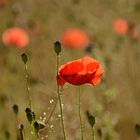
(15,36)
(75,38)
(120,26)
(81,71)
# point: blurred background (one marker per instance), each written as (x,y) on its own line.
(115,102)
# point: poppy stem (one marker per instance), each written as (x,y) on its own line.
(93,133)
(27,86)
(51,113)
(21,132)
(36,135)
(79,112)
(60,101)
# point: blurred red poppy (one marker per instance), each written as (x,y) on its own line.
(81,71)
(75,38)
(3,3)
(15,36)
(133,31)
(120,26)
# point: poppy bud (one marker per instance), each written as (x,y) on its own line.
(24,58)
(36,126)
(91,119)
(137,129)
(57,47)
(29,117)
(15,109)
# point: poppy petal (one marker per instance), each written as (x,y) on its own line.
(92,67)
(99,71)
(60,80)
(71,68)
(90,64)
(77,79)
(96,80)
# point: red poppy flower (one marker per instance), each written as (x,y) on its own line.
(15,36)
(120,26)
(75,38)
(81,71)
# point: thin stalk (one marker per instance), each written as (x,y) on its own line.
(17,130)
(93,133)
(21,132)
(18,135)
(27,86)
(79,112)
(53,134)
(53,109)
(30,100)
(35,133)
(22,136)
(60,101)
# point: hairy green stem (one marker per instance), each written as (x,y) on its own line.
(27,86)
(60,102)
(22,135)
(30,101)
(79,112)
(36,135)
(93,133)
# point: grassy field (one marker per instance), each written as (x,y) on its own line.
(115,102)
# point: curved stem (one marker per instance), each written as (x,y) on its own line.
(50,115)
(60,102)
(79,112)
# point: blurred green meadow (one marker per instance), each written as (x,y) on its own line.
(115,102)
